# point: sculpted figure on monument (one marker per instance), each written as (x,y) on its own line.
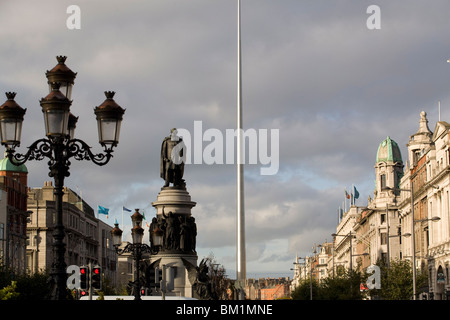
(172,161)
(185,237)
(192,232)
(200,281)
(172,233)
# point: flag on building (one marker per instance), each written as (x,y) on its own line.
(103,210)
(347,195)
(355,193)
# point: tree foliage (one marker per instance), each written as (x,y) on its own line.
(219,281)
(397,280)
(396,284)
(24,286)
(344,286)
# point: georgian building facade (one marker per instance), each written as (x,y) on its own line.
(88,240)
(384,228)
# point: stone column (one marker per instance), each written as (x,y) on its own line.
(173,206)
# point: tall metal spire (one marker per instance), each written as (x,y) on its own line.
(240,250)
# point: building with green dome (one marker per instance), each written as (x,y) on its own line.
(380,215)
(388,168)
(13,215)
(7,165)
(388,151)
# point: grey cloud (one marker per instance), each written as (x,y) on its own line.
(311,69)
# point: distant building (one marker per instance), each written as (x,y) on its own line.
(88,240)
(107,257)
(13,215)
(267,288)
(377,226)
(383,229)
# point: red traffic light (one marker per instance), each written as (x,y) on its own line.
(83,293)
(83,270)
(96,270)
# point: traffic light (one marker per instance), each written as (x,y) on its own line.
(154,277)
(84,278)
(144,291)
(96,278)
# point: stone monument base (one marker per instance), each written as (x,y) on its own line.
(179,239)
(176,274)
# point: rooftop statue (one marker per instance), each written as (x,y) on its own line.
(172,160)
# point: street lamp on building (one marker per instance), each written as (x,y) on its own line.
(351,236)
(434,219)
(59,146)
(136,248)
(309,259)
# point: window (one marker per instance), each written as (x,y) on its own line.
(383,238)
(383,181)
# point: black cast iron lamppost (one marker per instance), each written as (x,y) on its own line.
(59,146)
(137,247)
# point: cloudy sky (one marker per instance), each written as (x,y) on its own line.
(311,69)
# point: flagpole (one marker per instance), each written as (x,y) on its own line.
(339,215)
(345,200)
(351,196)
(241,259)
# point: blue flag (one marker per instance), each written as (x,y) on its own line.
(356,193)
(125,209)
(103,210)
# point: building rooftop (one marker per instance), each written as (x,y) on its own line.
(7,165)
(388,151)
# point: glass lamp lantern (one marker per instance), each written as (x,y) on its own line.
(157,237)
(137,233)
(137,218)
(56,108)
(11,118)
(71,126)
(62,75)
(109,119)
(116,235)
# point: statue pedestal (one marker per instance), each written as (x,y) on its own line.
(173,212)
(176,200)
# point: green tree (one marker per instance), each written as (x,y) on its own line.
(29,286)
(303,290)
(397,280)
(33,286)
(9,292)
(343,286)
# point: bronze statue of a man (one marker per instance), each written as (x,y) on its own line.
(172,161)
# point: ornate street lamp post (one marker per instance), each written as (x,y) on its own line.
(137,248)
(59,146)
